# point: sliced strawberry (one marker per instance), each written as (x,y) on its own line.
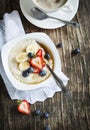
(43,63)
(39,53)
(24,107)
(36,71)
(36,62)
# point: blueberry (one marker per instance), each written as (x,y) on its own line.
(47,56)
(47,128)
(59,45)
(30,69)
(31,55)
(46,115)
(37,112)
(76,51)
(42,73)
(25,73)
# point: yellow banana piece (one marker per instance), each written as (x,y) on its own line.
(21,57)
(24,65)
(32,47)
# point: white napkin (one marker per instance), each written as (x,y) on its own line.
(11,27)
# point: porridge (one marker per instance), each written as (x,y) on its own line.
(27,61)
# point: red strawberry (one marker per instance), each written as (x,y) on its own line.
(24,107)
(39,53)
(36,62)
(36,71)
(43,63)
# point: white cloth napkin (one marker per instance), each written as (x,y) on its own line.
(11,27)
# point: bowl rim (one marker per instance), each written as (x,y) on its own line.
(40,37)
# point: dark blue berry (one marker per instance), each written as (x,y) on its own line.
(47,128)
(47,56)
(59,45)
(30,69)
(42,73)
(75,24)
(76,51)
(25,73)
(46,115)
(31,55)
(37,112)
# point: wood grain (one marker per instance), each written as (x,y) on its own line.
(77,68)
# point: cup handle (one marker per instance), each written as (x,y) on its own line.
(67,8)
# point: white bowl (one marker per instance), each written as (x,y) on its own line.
(39,37)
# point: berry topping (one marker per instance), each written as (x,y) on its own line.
(46,115)
(76,51)
(42,73)
(31,55)
(30,69)
(39,53)
(47,56)
(37,62)
(37,112)
(59,45)
(36,71)
(24,107)
(25,73)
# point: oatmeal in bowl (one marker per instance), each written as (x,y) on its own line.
(25,61)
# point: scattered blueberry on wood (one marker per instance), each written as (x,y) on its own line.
(59,45)
(47,128)
(37,112)
(76,51)
(46,115)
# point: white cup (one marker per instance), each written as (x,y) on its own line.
(53,5)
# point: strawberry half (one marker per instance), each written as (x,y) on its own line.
(36,62)
(39,53)
(36,71)
(24,107)
(43,63)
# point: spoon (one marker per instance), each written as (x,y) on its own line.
(38,14)
(59,82)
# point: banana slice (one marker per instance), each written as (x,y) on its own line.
(32,47)
(21,57)
(24,65)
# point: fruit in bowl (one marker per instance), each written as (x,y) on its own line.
(25,61)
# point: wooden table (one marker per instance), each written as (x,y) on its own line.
(77,68)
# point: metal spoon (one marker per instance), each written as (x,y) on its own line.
(38,14)
(59,82)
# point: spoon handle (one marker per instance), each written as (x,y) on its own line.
(75,24)
(59,82)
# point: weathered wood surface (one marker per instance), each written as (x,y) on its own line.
(77,68)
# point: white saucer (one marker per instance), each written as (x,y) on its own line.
(49,23)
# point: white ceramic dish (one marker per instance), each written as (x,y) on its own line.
(39,37)
(49,23)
